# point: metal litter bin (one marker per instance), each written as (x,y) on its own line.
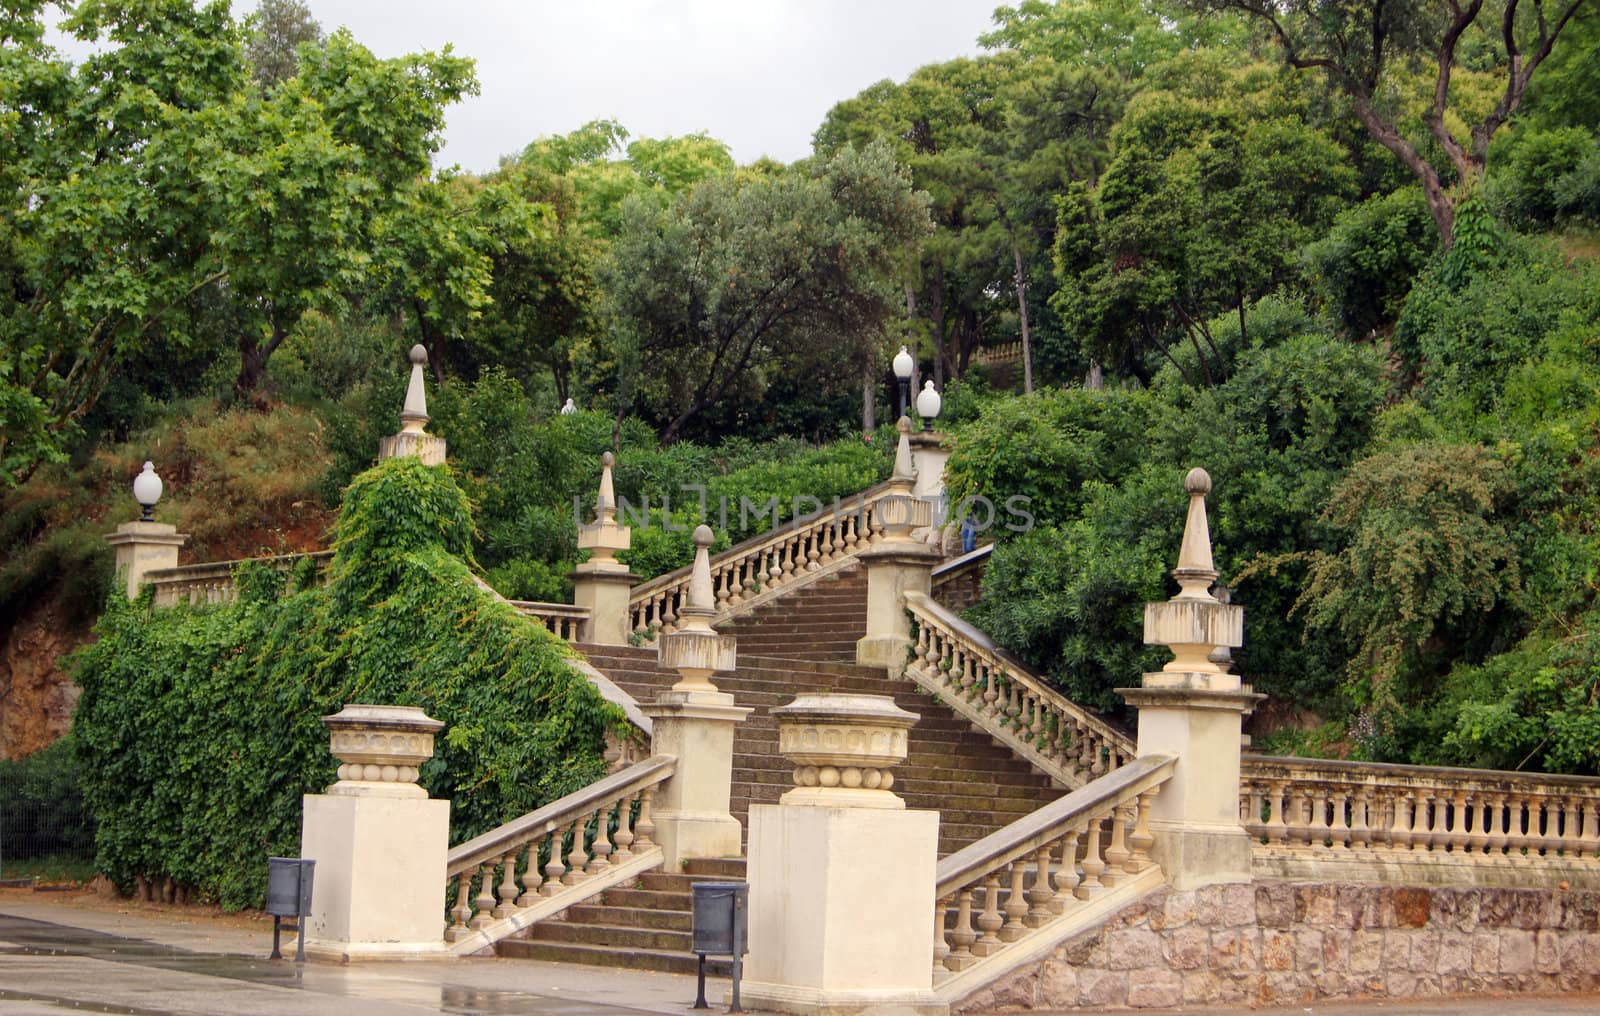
(289,895)
(720,919)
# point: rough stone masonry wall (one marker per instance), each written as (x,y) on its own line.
(1285,943)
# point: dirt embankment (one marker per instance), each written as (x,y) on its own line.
(37,695)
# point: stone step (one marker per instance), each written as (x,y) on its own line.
(569,932)
(647,898)
(730,868)
(606,956)
(630,917)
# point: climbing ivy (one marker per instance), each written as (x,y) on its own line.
(199,727)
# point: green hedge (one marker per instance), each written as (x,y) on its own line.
(199,727)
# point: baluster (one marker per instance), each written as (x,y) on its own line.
(1013,702)
(1400,829)
(1455,836)
(1297,815)
(646,826)
(1117,853)
(852,539)
(553,868)
(962,936)
(991,690)
(1360,821)
(484,901)
(1141,839)
(989,921)
(463,908)
(1338,818)
(1421,834)
(1317,799)
(1589,844)
(830,542)
(1250,805)
(1097,761)
(969,673)
(530,875)
(1067,875)
(723,593)
(812,555)
(576,858)
(941,948)
(508,886)
(1041,896)
(624,837)
(1543,819)
(1092,865)
(1571,826)
(600,849)
(1036,727)
(1016,903)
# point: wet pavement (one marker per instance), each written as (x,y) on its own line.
(55,960)
(49,967)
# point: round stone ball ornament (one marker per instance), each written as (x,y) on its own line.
(380,749)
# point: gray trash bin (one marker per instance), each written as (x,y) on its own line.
(720,919)
(289,895)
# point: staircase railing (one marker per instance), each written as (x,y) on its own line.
(567,851)
(958,582)
(212,582)
(752,572)
(1002,696)
(1313,812)
(1005,352)
(564,620)
(1011,897)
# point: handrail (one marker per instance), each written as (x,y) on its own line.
(1026,835)
(807,545)
(565,620)
(1030,872)
(948,570)
(588,839)
(212,581)
(1008,700)
(1331,804)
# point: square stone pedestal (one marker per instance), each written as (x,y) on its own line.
(379,882)
(841,910)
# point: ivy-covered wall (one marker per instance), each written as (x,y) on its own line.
(199,727)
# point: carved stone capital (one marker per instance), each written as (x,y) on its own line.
(380,749)
(843,748)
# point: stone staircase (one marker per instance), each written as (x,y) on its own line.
(801,644)
(647,927)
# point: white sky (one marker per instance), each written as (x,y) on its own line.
(758,74)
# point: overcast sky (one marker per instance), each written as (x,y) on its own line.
(758,74)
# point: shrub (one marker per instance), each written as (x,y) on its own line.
(1363,269)
(198,727)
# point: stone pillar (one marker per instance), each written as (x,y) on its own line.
(693,722)
(841,873)
(602,583)
(413,418)
(1192,708)
(379,842)
(929,454)
(895,565)
(144,547)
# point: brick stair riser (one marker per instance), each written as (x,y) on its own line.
(631,917)
(569,933)
(601,956)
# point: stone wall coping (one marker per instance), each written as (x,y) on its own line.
(224,569)
(956,565)
(1268,767)
(1026,835)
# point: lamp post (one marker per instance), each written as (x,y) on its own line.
(147,491)
(928,405)
(903,366)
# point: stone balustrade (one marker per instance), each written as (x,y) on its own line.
(213,582)
(566,851)
(1000,694)
(958,583)
(564,620)
(1382,813)
(1001,889)
(751,572)
(1005,352)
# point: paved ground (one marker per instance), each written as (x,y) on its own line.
(55,959)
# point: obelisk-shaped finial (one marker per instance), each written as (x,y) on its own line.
(903,469)
(414,417)
(605,505)
(1195,572)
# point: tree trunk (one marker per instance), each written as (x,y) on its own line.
(869,394)
(1096,379)
(252,365)
(1022,314)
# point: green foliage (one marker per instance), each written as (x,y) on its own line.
(1549,176)
(1363,268)
(199,730)
(41,799)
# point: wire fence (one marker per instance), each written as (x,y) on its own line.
(44,826)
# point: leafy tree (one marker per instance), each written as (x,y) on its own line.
(1361,48)
(277,31)
(1364,267)
(738,280)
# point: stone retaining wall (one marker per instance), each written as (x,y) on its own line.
(1285,942)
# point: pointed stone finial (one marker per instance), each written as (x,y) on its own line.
(605,506)
(1195,572)
(903,470)
(414,417)
(701,596)
(695,650)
